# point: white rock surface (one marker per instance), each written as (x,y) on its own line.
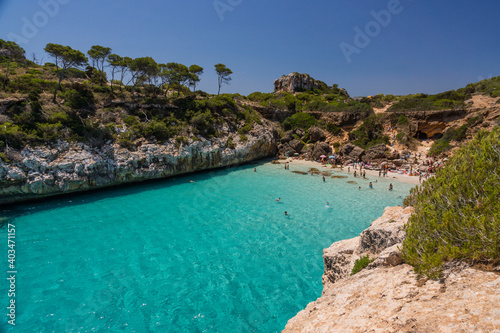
(388,296)
(68,167)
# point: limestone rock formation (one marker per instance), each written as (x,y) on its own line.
(296,145)
(375,152)
(296,82)
(316,134)
(71,167)
(352,152)
(321,148)
(388,296)
(393,299)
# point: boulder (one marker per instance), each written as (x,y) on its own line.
(300,132)
(316,134)
(288,137)
(296,145)
(391,256)
(351,152)
(375,152)
(393,156)
(321,148)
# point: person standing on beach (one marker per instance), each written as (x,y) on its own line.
(364,174)
(348,170)
(354,173)
(380,172)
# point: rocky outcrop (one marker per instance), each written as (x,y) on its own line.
(71,167)
(351,152)
(388,296)
(393,299)
(375,153)
(383,233)
(321,148)
(296,82)
(316,134)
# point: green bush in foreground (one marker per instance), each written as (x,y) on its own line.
(361,263)
(457,213)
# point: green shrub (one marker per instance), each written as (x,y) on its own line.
(245,129)
(403,120)
(438,147)
(182,140)
(204,122)
(333,129)
(82,99)
(12,136)
(243,138)
(457,213)
(299,120)
(50,132)
(126,143)
(361,263)
(370,133)
(157,130)
(230,143)
(131,120)
(259,97)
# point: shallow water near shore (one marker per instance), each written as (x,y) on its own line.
(216,255)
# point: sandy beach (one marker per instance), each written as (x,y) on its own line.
(372,173)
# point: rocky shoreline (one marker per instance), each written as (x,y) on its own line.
(38,172)
(388,296)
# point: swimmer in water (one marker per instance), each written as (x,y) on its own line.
(390,187)
(286,213)
(192,181)
(254,169)
(327,205)
(370,185)
(279,199)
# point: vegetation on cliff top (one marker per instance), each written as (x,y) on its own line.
(61,101)
(329,99)
(457,213)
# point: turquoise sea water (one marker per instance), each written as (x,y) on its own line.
(217,255)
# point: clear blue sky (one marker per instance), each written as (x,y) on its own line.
(428,46)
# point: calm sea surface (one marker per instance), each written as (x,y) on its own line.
(217,255)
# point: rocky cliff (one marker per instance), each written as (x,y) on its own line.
(388,296)
(297,82)
(70,167)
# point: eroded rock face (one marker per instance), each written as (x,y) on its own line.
(65,167)
(388,296)
(383,233)
(296,145)
(316,134)
(375,152)
(392,299)
(351,152)
(321,148)
(296,82)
